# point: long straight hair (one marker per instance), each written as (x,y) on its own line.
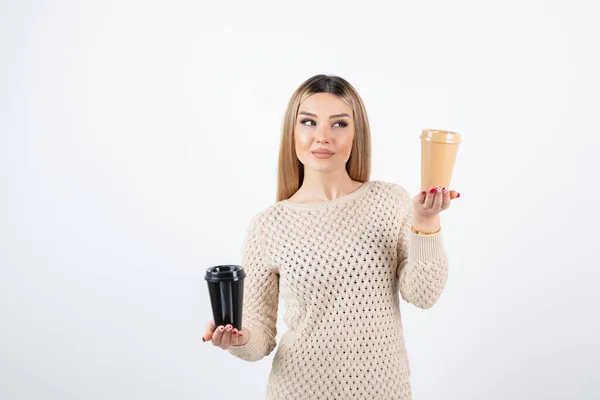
(358,166)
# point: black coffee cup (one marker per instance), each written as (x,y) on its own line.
(226,290)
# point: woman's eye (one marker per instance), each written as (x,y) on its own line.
(309,122)
(304,121)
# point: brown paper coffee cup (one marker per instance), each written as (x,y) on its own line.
(438,155)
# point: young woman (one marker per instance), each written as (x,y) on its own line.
(338,248)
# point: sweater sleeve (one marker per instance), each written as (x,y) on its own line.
(261,296)
(422,262)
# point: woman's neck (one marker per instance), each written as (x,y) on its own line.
(324,187)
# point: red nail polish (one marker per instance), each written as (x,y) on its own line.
(457,195)
(432,190)
(204,340)
(423,192)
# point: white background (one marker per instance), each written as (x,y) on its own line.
(137,140)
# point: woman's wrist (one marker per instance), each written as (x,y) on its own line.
(422,233)
(426,226)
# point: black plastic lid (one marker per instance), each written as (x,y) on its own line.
(221,273)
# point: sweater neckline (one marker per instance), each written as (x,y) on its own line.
(329,203)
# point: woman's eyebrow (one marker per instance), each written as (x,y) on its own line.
(331,116)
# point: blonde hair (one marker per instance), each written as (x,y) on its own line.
(290,169)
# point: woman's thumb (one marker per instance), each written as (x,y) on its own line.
(210,328)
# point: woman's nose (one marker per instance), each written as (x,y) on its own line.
(323,134)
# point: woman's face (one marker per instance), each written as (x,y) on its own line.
(324,122)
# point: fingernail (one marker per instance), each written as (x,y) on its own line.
(204,340)
(423,192)
(432,190)
(221,329)
(228,327)
(439,188)
(235,332)
(457,195)
(241,333)
(445,190)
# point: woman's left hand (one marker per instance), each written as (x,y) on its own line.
(428,204)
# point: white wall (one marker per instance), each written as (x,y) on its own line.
(137,139)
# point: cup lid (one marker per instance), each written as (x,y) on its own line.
(221,273)
(440,136)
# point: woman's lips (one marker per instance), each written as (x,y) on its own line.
(322,155)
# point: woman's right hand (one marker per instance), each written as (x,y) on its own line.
(225,336)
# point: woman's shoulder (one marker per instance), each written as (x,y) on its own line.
(265,215)
(396,190)
(388,190)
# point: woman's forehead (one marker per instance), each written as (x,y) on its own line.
(324,103)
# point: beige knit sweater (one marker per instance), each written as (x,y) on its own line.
(339,266)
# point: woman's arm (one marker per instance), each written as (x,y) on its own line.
(261,297)
(422,262)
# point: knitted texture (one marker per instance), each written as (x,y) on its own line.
(339,266)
